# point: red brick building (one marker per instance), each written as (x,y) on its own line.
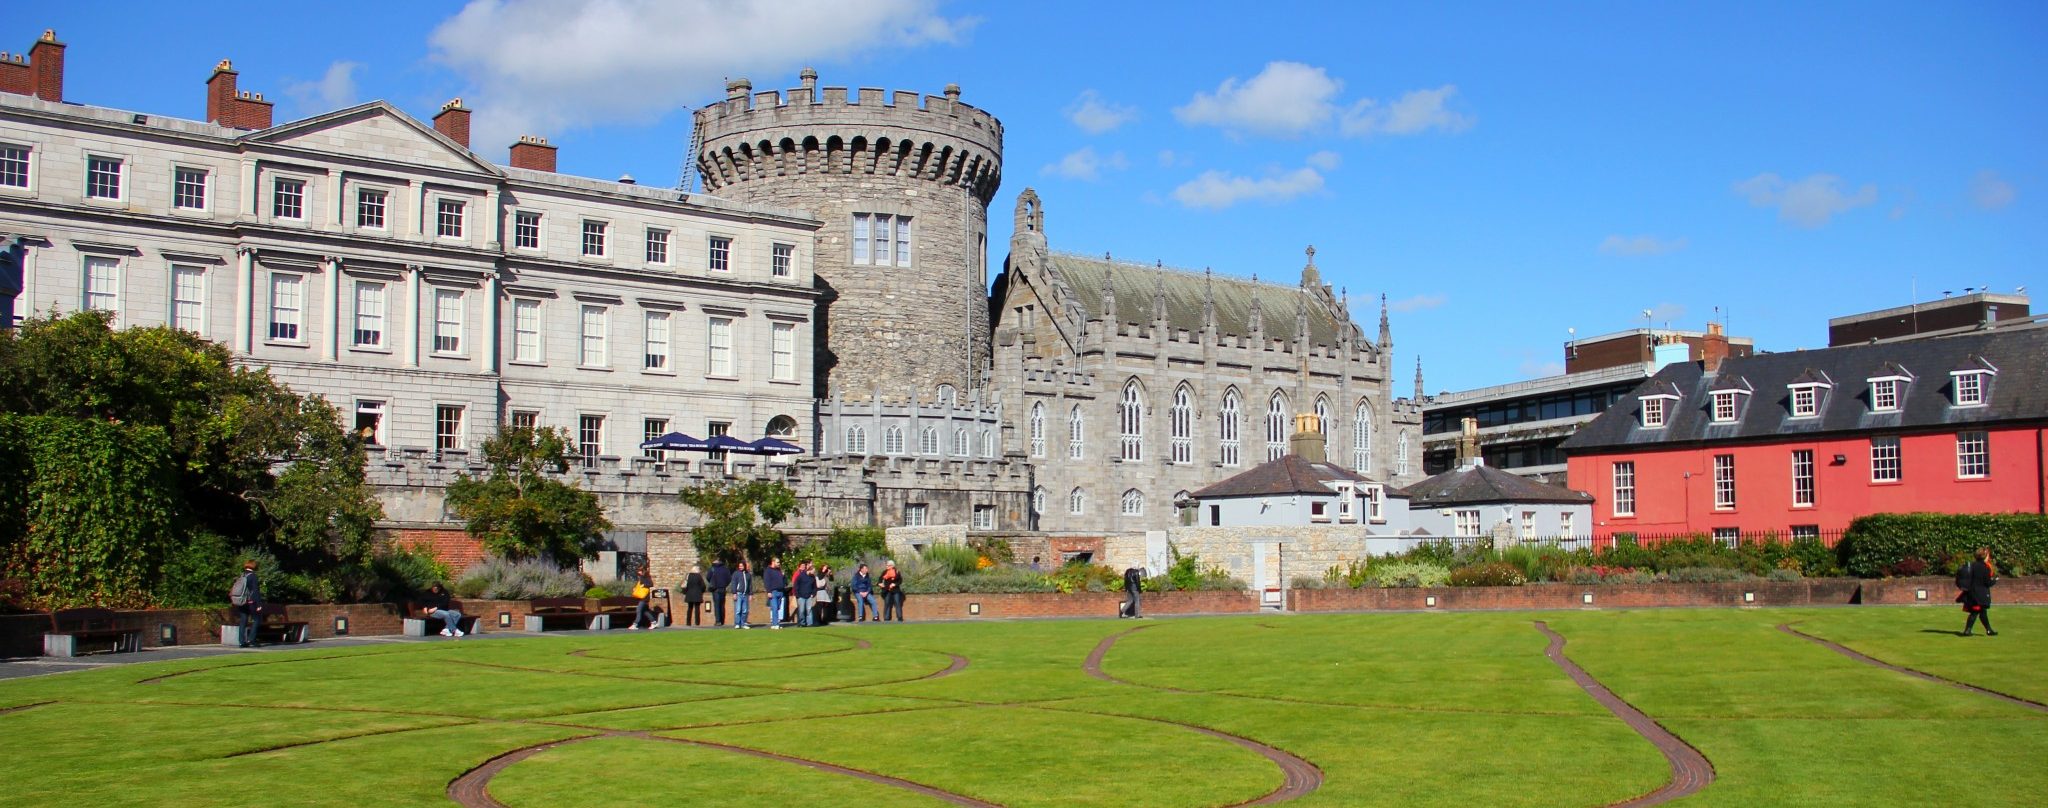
(1803,442)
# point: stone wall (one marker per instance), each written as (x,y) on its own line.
(1299,550)
(1819,591)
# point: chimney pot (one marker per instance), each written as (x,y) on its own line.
(952,92)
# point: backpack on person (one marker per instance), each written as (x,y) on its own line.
(239,594)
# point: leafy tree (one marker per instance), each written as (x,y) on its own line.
(740,519)
(856,541)
(252,464)
(518,511)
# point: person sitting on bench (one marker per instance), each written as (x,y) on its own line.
(435,605)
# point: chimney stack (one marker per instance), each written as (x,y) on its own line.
(534,154)
(1468,443)
(453,121)
(40,73)
(1713,348)
(1308,442)
(233,108)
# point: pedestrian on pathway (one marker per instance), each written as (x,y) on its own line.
(774,582)
(247,597)
(892,593)
(643,607)
(805,588)
(1133,582)
(864,593)
(718,580)
(1976,579)
(435,605)
(742,589)
(693,597)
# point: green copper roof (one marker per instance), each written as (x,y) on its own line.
(1137,284)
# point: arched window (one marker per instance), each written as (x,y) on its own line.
(1228,421)
(1276,427)
(1074,444)
(1038,429)
(960,442)
(1182,422)
(1361,439)
(1132,503)
(1038,500)
(988,443)
(1323,415)
(946,395)
(1401,456)
(892,440)
(1076,501)
(782,426)
(856,440)
(928,441)
(1131,424)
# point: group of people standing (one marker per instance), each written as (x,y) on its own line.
(809,595)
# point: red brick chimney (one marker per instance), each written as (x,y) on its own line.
(1713,348)
(40,73)
(234,109)
(533,153)
(453,121)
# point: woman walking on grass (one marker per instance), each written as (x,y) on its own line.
(1976,579)
(643,591)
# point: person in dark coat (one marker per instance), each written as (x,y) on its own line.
(805,588)
(643,608)
(718,580)
(436,605)
(1976,579)
(247,598)
(742,589)
(891,584)
(693,597)
(775,584)
(1133,581)
(864,592)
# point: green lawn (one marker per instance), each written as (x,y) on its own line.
(1410,709)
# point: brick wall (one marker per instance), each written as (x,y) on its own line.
(1821,591)
(456,548)
(2032,589)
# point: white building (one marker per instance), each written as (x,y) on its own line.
(374,259)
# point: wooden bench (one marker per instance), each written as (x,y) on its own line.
(622,611)
(560,612)
(90,630)
(273,625)
(418,624)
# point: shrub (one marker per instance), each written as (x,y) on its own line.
(1625,552)
(198,573)
(995,551)
(1492,573)
(1704,575)
(610,588)
(500,579)
(1543,562)
(1080,576)
(856,541)
(1782,574)
(1309,582)
(1907,567)
(1878,544)
(1407,575)
(957,559)
(405,571)
(995,580)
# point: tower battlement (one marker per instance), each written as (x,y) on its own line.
(837,130)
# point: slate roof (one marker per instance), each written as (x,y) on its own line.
(1137,284)
(1291,474)
(1484,485)
(2018,393)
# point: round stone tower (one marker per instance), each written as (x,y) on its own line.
(902,186)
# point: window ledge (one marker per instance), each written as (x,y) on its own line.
(448,355)
(716,378)
(370,349)
(598,368)
(527,363)
(790,382)
(287,343)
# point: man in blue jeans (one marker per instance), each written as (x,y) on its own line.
(742,587)
(771,580)
(864,592)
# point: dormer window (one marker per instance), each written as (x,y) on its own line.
(1884,395)
(1807,391)
(1656,410)
(1972,384)
(1726,406)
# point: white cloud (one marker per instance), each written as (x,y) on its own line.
(1640,245)
(334,90)
(1326,160)
(1419,302)
(1085,164)
(546,66)
(1217,190)
(1414,113)
(1169,158)
(1286,99)
(1667,313)
(1538,369)
(1990,192)
(1809,202)
(1096,116)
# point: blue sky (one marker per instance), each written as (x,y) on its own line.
(1501,172)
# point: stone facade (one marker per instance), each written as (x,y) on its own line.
(862,163)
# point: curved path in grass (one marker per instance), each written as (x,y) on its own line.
(1301,776)
(1690,771)
(472,789)
(1919,674)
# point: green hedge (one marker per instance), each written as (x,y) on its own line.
(96,507)
(1888,544)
